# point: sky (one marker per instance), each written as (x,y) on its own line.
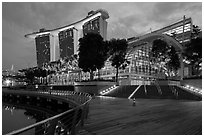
(127,19)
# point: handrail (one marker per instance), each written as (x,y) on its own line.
(54,121)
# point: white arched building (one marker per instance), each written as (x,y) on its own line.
(141,70)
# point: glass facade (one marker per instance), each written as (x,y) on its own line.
(43,49)
(91,26)
(177,30)
(141,69)
(66,43)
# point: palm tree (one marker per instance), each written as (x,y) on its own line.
(117,51)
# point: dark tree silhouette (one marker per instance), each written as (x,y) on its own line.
(29,74)
(117,51)
(193,53)
(165,57)
(92,53)
(196,32)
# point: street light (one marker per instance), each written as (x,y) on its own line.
(8,82)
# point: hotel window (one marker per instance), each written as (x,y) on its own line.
(89,27)
(96,24)
(70,33)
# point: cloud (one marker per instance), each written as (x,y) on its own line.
(170,12)
(145,16)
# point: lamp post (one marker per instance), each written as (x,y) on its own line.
(181,56)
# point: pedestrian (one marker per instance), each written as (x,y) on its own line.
(134,102)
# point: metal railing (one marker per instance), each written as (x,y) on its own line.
(64,123)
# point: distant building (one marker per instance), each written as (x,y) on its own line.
(12,78)
(176,30)
(63,42)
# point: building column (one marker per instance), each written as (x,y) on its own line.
(182,66)
(181,56)
(78,33)
(103,28)
(54,46)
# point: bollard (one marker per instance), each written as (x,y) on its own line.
(134,102)
(51,90)
(36,87)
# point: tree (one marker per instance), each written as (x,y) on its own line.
(196,32)
(91,53)
(193,53)
(117,53)
(72,62)
(164,56)
(29,74)
(193,50)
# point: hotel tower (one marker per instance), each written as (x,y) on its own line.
(62,42)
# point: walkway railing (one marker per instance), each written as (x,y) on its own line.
(64,123)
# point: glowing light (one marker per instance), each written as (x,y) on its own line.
(192,88)
(8,81)
(187,86)
(108,90)
(36,86)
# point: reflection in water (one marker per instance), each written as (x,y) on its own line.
(16,115)
(14,118)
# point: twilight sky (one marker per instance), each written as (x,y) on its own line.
(126,20)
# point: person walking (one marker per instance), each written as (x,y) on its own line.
(134,102)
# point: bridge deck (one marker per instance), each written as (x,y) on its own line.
(112,116)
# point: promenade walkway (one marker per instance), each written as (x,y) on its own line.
(117,116)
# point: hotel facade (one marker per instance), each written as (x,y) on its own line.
(59,43)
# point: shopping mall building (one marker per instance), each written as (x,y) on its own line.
(141,70)
(63,42)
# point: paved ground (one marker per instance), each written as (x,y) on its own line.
(117,116)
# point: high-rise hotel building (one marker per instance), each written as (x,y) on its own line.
(66,43)
(42,49)
(62,42)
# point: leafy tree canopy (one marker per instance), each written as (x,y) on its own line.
(165,57)
(92,52)
(193,52)
(117,51)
